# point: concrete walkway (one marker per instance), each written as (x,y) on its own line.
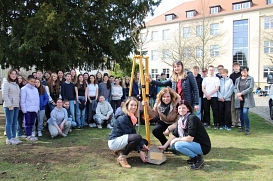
(261,108)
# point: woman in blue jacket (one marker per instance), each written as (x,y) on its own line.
(41,113)
(123,138)
(183,82)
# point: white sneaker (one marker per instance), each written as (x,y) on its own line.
(99,126)
(109,126)
(92,125)
(33,134)
(16,139)
(11,142)
(40,133)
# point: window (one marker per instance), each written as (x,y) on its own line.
(214,29)
(240,42)
(199,30)
(166,54)
(241,5)
(154,54)
(268,47)
(167,72)
(154,73)
(186,53)
(214,50)
(268,70)
(166,34)
(154,35)
(199,52)
(186,32)
(215,9)
(268,22)
(269,1)
(169,17)
(190,14)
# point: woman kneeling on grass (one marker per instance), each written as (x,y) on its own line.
(189,137)
(57,123)
(123,138)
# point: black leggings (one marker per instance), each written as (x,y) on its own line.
(158,131)
(133,142)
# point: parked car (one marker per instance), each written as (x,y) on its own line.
(270,102)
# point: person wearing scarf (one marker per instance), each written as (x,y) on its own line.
(189,136)
(165,111)
(123,138)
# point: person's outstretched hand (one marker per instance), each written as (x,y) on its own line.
(143,156)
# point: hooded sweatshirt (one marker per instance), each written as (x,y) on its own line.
(29,99)
(102,110)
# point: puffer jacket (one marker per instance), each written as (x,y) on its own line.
(226,89)
(123,125)
(189,87)
(11,94)
(30,100)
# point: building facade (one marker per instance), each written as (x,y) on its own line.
(213,32)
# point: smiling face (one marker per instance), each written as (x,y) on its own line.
(81,78)
(20,79)
(73,73)
(13,75)
(32,82)
(101,99)
(211,71)
(59,104)
(177,68)
(166,98)
(66,105)
(60,74)
(92,79)
(37,83)
(183,110)
(132,106)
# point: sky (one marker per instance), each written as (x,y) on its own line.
(164,6)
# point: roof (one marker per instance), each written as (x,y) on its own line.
(204,6)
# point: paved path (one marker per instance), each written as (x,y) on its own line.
(261,108)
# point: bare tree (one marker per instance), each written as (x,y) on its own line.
(203,44)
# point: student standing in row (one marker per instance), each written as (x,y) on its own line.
(224,100)
(30,105)
(92,100)
(210,86)
(11,97)
(81,99)
(105,88)
(116,95)
(68,93)
(43,95)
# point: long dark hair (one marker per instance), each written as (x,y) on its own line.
(95,80)
(108,84)
(78,85)
(41,88)
(187,104)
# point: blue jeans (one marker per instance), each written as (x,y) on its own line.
(11,121)
(191,149)
(73,123)
(244,118)
(20,123)
(40,119)
(72,109)
(80,114)
(198,112)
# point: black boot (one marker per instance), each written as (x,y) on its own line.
(190,160)
(198,162)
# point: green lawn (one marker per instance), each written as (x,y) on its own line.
(84,155)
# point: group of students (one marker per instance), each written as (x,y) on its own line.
(172,108)
(229,97)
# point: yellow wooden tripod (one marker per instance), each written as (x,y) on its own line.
(144,89)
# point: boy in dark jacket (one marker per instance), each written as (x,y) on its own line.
(199,80)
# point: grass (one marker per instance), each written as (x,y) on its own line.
(84,155)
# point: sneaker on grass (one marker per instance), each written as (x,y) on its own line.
(31,138)
(99,126)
